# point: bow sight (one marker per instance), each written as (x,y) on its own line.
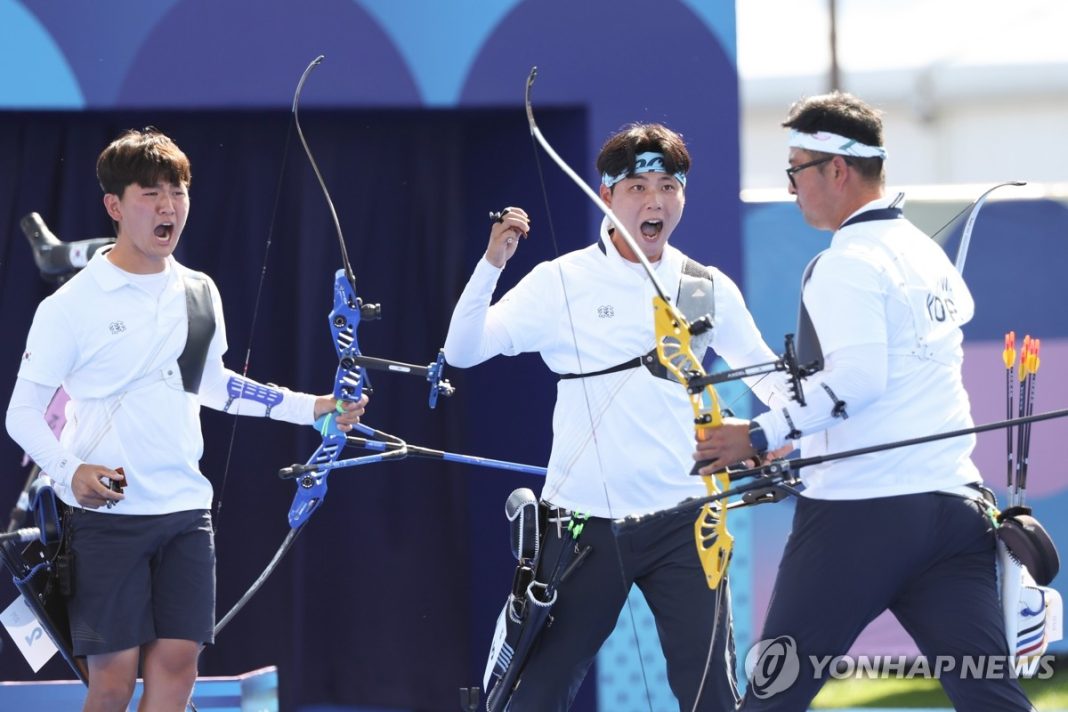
(786,363)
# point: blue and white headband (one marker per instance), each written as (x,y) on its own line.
(648,162)
(827,142)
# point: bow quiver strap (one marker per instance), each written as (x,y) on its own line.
(201,314)
(809,351)
(695,299)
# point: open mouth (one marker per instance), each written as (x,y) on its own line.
(164,231)
(651,228)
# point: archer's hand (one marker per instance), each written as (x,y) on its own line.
(350,410)
(504,236)
(723,446)
(88,488)
(778,454)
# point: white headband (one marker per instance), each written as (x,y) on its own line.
(648,162)
(827,142)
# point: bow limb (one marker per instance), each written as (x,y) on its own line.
(969,226)
(673,347)
(285,546)
(346,266)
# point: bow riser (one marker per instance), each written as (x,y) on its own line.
(348,386)
(674,348)
(311,487)
(344,320)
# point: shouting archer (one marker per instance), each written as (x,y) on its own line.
(136,339)
(622,427)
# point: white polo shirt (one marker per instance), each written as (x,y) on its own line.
(622,442)
(888,289)
(113,345)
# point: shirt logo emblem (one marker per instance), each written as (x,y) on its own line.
(116,327)
(606,311)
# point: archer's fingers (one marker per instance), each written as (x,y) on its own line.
(355,407)
(512,222)
(514,212)
(510,229)
(91,489)
(779,453)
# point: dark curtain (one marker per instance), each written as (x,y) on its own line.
(389,596)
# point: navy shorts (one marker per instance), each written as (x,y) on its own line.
(138,578)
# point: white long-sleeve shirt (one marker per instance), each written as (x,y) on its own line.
(622,442)
(111,340)
(888,307)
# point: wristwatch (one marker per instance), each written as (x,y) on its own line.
(758,440)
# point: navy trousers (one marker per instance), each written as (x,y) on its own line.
(928,558)
(660,557)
